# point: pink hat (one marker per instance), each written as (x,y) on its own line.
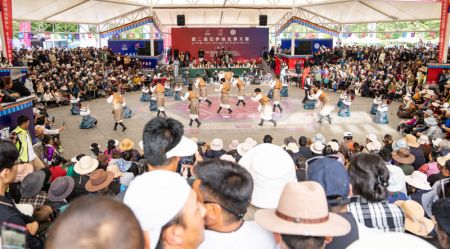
(23,170)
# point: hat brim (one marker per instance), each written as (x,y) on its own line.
(417,228)
(413,144)
(418,185)
(94,188)
(336,225)
(86,171)
(403,160)
(56,198)
(186,147)
(34,192)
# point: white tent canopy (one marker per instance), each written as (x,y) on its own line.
(225,12)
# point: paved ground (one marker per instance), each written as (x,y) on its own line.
(240,124)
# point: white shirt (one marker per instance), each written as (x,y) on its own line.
(249,236)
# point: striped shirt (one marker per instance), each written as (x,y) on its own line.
(381,215)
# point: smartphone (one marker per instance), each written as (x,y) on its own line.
(13,236)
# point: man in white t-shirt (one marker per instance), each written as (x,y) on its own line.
(225,189)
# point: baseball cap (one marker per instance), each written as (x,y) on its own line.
(155,208)
(348,134)
(331,174)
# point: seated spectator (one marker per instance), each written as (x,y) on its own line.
(333,177)
(59,190)
(416,151)
(6,92)
(44,216)
(268,180)
(8,211)
(298,235)
(444,170)
(244,147)
(225,189)
(267,139)
(99,181)
(369,179)
(31,189)
(415,221)
(403,159)
(304,150)
(397,183)
(128,145)
(177,220)
(99,223)
(82,168)
(215,149)
(111,148)
(442,217)
(372,143)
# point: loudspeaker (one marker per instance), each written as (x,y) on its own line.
(262,20)
(180,20)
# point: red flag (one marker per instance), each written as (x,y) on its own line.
(6,9)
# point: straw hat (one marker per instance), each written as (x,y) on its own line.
(115,170)
(403,156)
(85,165)
(443,159)
(23,170)
(423,139)
(415,221)
(99,180)
(126,144)
(293,147)
(244,147)
(308,217)
(418,180)
(411,141)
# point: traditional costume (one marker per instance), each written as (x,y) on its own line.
(376,102)
(322,104)
(88,121)
(145,97)
(381,117)
(118,102)
(201,85)
(264,108)
(344,109)
(159,90)
(194,111)
(75,110)
(153,105)
(177,95)
(241,87)
(276,88)
(224,96)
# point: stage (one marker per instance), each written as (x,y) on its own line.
(242,123)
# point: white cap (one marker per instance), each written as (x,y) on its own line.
(186,147)
(348,134)
(372,137)
(271,167)
(396,179)
(334,146)
(155,198)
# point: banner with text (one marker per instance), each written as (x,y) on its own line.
(443,32)
(245,43)
(6,8)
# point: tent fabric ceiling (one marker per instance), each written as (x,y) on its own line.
(225,12)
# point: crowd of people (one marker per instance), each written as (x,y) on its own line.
(344,192)
(341,193)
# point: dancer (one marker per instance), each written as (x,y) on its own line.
(224,97)
(159,90)
(75,101)
(381,117)
(376,102)
(264,108)
(322,104)
(228,75)
(284,82)
(118,102)
(88,121)
(177,95)
(276,86)
(201,85)
(145,97)
(193,105)
(241,87)
(344,108)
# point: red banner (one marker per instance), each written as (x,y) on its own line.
(245,43)
(443,31)
(6,9)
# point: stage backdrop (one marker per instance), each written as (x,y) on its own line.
(130,47)
(245,43)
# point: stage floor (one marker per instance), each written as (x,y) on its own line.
(242,123)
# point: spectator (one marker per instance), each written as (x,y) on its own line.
(416,151)
(177,220)
(24,144)
(297,235)
(99,223)
(99,181)
(403,159)
(304,149)
(31,189)
(442,216)
(267,139)
(417,186)
(225,189)
(369,179)
(59,190)
(82,168)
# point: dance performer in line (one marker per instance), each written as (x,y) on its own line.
(177,95)
(224,96)
(376,102)
(145,97)
(322,104)
(159,90)
(381,117)
(75,101)
(264,108)
(240,84)
(201,85)
(276,86)
(118,102)
(88,121)
(193,105)
(344,108)
(228,75)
